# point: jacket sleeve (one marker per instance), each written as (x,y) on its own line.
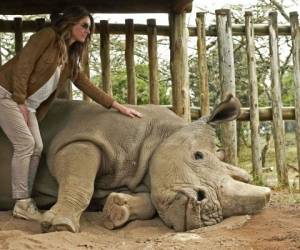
(84,84)
(26,61)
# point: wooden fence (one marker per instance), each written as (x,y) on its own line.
(224,30)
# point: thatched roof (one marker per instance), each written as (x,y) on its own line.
(27,7)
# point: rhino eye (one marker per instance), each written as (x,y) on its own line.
(199,155)
(200,195)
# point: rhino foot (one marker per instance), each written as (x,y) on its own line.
(116,211)
(64,224)
(53,223)
(46,222)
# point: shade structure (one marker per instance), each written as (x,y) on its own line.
(29,7)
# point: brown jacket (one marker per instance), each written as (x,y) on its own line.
(35,64)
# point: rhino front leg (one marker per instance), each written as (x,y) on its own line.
(121,208)
(75,167)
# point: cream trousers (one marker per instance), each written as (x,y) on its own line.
(27,145)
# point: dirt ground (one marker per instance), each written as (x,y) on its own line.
(277,227)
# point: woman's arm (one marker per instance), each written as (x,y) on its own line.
(99,96)
(84,84)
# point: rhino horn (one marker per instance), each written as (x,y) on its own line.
(236,172)
(239,198)
(227,110)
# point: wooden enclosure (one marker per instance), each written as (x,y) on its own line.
(224,30)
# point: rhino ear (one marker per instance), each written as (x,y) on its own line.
(227,110)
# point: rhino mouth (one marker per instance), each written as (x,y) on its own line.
(199,206)
(202,208)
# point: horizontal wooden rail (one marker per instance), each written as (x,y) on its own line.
(240,30)
(162,30)
(265,113)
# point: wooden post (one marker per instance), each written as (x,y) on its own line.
(18,34)
(227,80)
(253,96)
(295,33)
(278,126)
(202,64)
(104,55)
(129,57)
(179,65)
(40,23)
(153,64)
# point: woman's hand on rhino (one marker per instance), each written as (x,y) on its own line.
(130,112)
(126,111)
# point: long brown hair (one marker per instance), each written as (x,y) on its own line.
(63,24)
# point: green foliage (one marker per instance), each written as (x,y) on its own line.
(119,84)
(142,88)
(119,74)
(288,89)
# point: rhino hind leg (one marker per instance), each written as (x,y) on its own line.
(75,173)
(121,208)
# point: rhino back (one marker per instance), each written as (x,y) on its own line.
(126,143)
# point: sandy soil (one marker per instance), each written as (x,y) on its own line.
(277,227)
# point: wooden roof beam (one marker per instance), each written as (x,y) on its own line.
(30,7)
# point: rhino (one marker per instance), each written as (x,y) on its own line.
(135,168)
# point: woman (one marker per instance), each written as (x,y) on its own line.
(29,83)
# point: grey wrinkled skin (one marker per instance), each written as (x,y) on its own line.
(162,164)
(199,189)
